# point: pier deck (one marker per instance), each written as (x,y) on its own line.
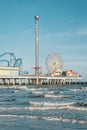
(38,80)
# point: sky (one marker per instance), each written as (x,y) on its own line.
(62,29)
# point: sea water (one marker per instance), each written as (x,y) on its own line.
(43,107)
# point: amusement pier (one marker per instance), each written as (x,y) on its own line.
(38,80)
(12,74)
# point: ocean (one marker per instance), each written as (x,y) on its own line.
(43,107)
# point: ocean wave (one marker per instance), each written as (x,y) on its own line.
(56,96)
(67,106)
(47,94)
(75,90)
(31,108)
(46,118)
(66,120)
(51,104)
(78,89)
(37,89)
(80,104)
(84,88)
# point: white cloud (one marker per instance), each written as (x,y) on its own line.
(82,31)
(76,58)
(26,30)
(64,34)
(79,32)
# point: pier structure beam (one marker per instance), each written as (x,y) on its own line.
(70,81)
(33,81)
(8,81)
(48,81)
(63,82)
(3,81)
(17,81)
(20,81)
(37,81)
(26,81)
(55,81)
(29,81)
(14,81)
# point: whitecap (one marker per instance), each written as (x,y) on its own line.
(46,118)
(50,103)
(66,120)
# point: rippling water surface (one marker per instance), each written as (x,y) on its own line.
(43,107)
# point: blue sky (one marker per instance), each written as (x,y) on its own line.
(62,29)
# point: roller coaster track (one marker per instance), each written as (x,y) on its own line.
(11,60)
(5,61)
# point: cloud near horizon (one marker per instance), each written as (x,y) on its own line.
(80,32)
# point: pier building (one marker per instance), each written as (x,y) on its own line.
(9,64)
(9,71)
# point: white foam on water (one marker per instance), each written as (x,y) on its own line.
(38,92)
(46,93)
(45,107)
(75,90)
(37,89)
(79,89)
(31,108)
(51,96)
(46,118)
(66,120)
(51,104)
(56,105)
(77,108)
(56,96)
(32,89)
(84,88)
(23,87)
(16,87)
(19,116)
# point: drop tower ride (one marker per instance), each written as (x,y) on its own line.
(36,46)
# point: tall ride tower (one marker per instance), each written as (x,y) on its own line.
(36,47)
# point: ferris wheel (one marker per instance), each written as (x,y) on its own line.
(54,62)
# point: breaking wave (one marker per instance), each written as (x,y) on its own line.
(46,118)
(52,104)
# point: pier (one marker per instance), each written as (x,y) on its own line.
(12,73)
(38,80)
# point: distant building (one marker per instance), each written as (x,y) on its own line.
(9,71)
(69,73)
